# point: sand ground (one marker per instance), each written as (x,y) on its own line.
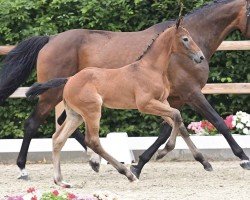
(158,181)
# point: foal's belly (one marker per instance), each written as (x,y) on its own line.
(117,101)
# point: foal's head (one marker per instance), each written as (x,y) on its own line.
(184,44)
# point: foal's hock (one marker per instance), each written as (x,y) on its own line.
(142,85)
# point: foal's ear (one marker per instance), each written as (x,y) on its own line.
(179,21)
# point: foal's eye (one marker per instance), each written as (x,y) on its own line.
(185,39)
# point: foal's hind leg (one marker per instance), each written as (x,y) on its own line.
(95,159)
(73,120)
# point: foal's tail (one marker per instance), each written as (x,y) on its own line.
(39,88)
(18,65)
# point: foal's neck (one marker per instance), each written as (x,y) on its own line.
(158,56)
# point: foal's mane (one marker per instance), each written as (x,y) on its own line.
(149,46)
(194,12)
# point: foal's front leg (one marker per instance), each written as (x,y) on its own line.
(171,144)
(170,115)
(92,123)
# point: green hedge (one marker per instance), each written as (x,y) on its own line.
(20,19)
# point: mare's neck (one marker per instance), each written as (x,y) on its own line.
(210,25)
(158,55)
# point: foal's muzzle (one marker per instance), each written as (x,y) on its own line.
(198,57)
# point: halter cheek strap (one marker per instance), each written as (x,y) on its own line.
(247,14)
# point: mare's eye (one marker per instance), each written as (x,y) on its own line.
(185,39)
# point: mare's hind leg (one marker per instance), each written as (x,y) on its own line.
(73,120)
(175,130)
(42,110)
(92,122)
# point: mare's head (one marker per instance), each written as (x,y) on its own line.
(184,44)
(242,20)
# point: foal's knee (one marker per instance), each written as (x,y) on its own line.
(57,143)
(170,146)
(177,116)
(92,142)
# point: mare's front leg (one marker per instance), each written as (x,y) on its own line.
(199,103)
(148,154)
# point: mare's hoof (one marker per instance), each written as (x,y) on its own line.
(245,164)
(135,171)
(95,165)
(62,184)
(208,167)
(23,175)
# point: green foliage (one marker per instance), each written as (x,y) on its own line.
(20,19)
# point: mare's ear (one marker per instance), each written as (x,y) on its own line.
(179,21)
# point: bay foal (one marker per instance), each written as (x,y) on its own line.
(142,85)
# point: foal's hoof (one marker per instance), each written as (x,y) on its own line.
(208,167)
(245,164)
(23,175)
(161,154)
(95,165)
(62,184)
(133,178)
(135,171)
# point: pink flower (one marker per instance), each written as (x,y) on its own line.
(30,190)
(34,198)
(228,121)
(55,192)
(71,196)
(207,126)
(15,198)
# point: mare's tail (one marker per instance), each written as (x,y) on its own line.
(18,65)
(39,88)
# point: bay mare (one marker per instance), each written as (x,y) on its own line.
(69,52)
(142,85)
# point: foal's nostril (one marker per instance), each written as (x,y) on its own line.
(202,57)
